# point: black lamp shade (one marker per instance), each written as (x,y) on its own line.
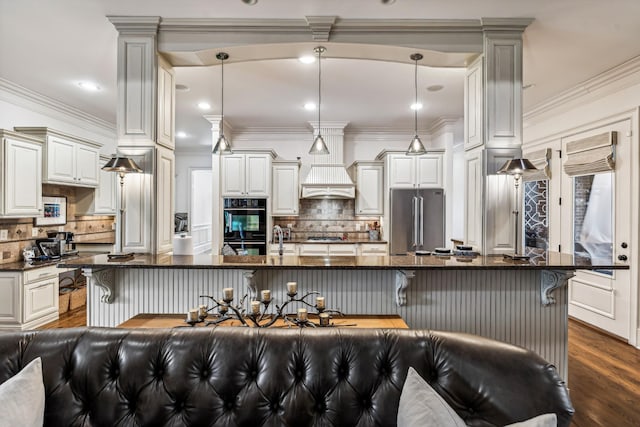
(121,165)
(517,167)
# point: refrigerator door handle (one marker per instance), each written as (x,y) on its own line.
(414,213)
(421,221)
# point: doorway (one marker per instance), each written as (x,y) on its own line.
(200,208)
(596,225)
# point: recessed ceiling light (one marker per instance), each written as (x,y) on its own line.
(182,88)
(89,86)
(181,134)
(204,106)
(435,88)
(310,106)
(387,1)
(417,106)
(250,2)
(307,59)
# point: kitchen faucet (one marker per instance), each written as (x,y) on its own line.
(278,230)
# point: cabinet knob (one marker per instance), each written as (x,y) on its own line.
(622,257)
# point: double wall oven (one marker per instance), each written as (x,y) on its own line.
(245,225)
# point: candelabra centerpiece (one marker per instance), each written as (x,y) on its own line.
(257,313)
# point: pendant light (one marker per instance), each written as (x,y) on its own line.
(416,147)
(319,146)
(222,145)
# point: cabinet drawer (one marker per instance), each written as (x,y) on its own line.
(373,249)
(288,249)
(343,249)
(313,249)
(40,299)
(41,273)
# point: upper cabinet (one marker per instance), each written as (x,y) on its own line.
(246,174)
(424,171)
(21,180)
(369,178)
(102,200)
(286,188)
(68,160)
(166,104)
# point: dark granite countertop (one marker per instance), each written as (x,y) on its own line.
(543,261)
(23,266)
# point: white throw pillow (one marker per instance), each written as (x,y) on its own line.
(22,398)
(544,420)
(422,406)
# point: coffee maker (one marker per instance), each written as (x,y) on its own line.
(65,242)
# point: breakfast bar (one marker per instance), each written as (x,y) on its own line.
(523,303)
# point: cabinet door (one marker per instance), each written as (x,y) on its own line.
(402,171)
(430,171)
(87,165)
(370,190)
(258,175)
(166,103)
(10,299)
(287,249)
(164,196)
(23,186)
(40,299)
(233,175)
(60,161)
(377,249)
(285,190)
(106,193)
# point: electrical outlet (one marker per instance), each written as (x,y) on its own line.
(113,225)
(357,227)
(34,232)
(4,234)
(290,225)
(61,228)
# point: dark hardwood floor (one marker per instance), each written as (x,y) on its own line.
(604,374)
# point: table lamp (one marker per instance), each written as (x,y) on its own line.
(123,166)
(516,168)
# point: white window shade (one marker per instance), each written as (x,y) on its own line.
(540,159)
(591,155)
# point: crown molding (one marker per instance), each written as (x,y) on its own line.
(443,124)
(27,98)
(505,24)
(608,82)
(320,27)
(135,25)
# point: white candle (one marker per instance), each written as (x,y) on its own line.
(228,294)
(320,303)
(192,315)
(255,307)
(266,295)
(302,314)
(324,319)
(203,310)
(292,288)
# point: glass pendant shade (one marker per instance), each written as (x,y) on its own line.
(416,147)
(319,146)
(222,146)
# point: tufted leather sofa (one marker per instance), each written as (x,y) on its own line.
(297,378)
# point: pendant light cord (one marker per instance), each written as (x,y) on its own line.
(319,85)
(222,98)
(415,104)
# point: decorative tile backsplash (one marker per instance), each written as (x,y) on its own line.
(328,218)
(85,227)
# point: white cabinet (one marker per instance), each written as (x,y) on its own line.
(286,188)
(29,299)
(425,171)
(68,160)
(375,249)
(102,200)
(165,171)
(166,104)
(287,249)
(369,178)
(21,180)
(246,174)
(343,249)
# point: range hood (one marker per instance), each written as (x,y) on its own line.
(328,178)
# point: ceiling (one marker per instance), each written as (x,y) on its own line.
(49,46)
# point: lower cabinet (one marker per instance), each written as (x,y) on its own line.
(330,249)
(28,299)
(372,249)
(287,249)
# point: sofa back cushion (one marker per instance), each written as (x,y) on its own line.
(251,377)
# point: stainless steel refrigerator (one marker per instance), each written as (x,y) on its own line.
(417,220)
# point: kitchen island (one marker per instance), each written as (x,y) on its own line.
(524,303)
